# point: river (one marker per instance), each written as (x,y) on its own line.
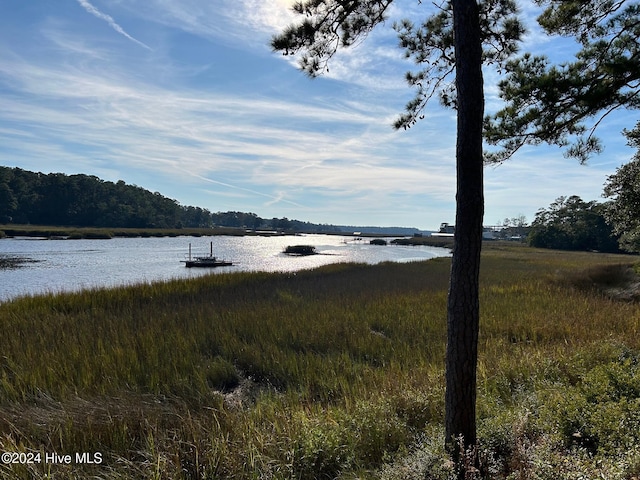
(68,265)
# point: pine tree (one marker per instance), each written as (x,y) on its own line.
(564,104)
(450,47)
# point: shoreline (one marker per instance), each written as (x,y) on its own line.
(106,233)
(73,232)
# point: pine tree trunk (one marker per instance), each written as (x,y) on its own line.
(463,312)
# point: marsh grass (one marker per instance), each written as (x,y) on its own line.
(334,372)
(74,233)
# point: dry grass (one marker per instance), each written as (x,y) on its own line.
(335,372)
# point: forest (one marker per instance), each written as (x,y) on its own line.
(87,201)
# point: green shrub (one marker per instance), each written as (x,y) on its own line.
(600,414)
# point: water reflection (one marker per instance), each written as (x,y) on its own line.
(65,265)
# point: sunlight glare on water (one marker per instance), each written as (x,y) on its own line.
(67,265)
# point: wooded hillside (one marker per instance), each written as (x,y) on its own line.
(87,201)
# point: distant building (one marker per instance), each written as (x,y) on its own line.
(448,230)
(445,230)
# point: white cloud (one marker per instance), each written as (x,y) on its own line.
(284,146)
(112,23)
(266,16)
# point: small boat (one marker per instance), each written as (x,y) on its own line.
(206,261)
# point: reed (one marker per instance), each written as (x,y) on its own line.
(107,233)
(327,373)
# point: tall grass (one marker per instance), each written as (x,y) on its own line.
(107,233)
(334,372)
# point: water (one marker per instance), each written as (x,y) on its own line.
(69,265)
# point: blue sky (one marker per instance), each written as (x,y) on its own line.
(186,98)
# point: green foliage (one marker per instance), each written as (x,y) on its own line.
(327,26)
(83,200)
(572,224)
(623,211)
(549,103)
(30,198)
(593,413)
(453,42)
(431,47)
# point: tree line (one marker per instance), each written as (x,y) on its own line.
(570,223)
(87,201)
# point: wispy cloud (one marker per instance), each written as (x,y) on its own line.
(112,23)
(258,150)
(273,198)
(213,119)
(233,141)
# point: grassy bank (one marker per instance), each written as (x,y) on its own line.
(44,231)
(336,372)
(443,242)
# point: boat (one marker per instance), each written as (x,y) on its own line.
(207,261)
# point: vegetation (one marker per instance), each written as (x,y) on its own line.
(334,372)
(106,233)
(544,103)
(444,242)
(573,224)
(300,250)
(622,188)
(8,261)
(564,104)
(87,201)
(83,200)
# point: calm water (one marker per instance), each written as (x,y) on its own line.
(67,265)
